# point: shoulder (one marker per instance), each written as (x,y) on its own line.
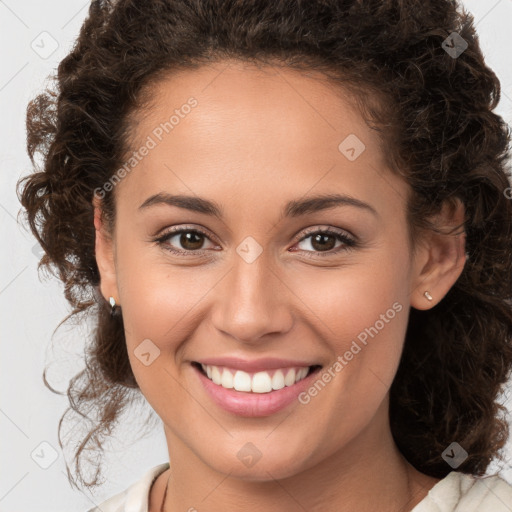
(135,498)
(460,492)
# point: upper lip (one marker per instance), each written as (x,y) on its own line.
(255,365)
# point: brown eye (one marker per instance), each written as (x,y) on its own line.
(190,240)
(323,242)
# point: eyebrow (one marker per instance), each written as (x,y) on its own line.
(294,208)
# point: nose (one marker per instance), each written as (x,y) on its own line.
(253,302)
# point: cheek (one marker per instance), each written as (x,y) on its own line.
(356,294)
(158,308)
(157,297)
(163,306)
(361,313)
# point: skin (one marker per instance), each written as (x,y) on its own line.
(258,138)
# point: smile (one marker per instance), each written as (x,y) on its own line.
(257,394)
(257,382)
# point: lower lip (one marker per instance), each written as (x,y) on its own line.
(250,404)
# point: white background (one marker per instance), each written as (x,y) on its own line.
(32,308)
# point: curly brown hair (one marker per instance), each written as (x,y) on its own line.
(433,111)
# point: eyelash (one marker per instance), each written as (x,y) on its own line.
(349,243)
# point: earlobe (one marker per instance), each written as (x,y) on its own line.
(442,258)
(104,255)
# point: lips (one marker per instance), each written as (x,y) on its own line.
(255,403)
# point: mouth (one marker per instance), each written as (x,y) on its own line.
(252,395)
(260,382)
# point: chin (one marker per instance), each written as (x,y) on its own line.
(259,461)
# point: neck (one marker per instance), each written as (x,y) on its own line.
(368,473)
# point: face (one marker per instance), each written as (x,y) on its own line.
(274,278)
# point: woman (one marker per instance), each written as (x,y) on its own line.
(291,224)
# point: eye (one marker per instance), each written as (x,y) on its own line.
(190,239)
(320,240)
(324,240)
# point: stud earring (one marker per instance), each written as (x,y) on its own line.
(427,295)
(113,305)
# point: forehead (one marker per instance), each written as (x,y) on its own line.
(233,128)
(272,100)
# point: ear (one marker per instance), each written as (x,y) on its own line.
(105,256)
(440,258)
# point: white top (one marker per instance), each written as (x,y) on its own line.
(457,492)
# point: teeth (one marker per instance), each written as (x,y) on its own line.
(290,377)
(278,380)
(301,374)
(227,379)
(242,381)
(216,375)
(259,382)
